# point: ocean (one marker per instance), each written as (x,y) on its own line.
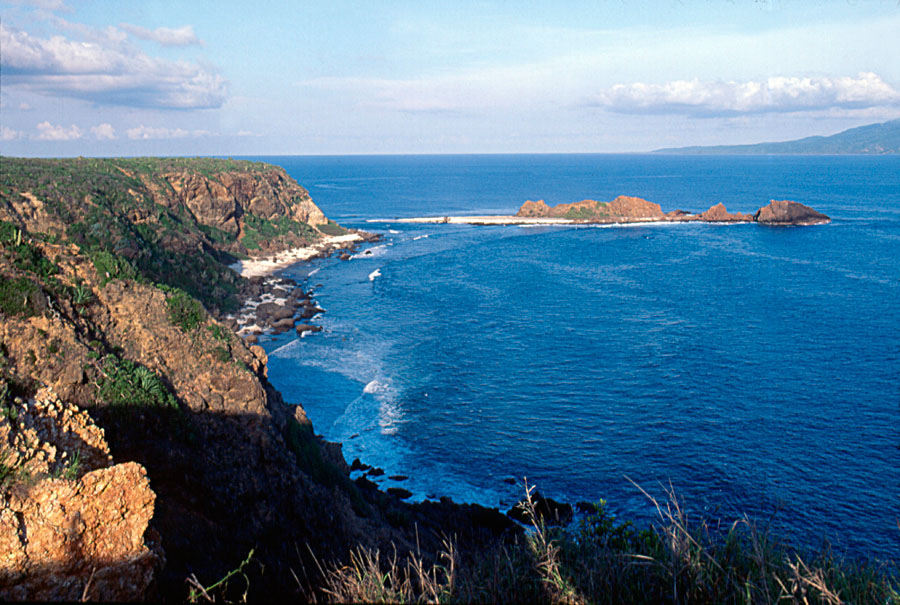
(752,370)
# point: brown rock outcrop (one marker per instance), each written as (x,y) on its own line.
(635,208)
(719,214)
(66,540)
(534,209)
(786,212)
(71,525)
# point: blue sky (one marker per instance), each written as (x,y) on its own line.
(242,78)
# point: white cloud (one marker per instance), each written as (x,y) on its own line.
(49,5)
(774,95)
(103,132)
(182,36)
(149,132)
(49,132)
(8,134)
(106,72)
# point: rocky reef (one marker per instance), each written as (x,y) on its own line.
(625,209)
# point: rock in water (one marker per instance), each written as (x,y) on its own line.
(553,512)
(785,212)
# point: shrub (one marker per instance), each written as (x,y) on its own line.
(21,296)
(110,266)
(184,311)
(125,383)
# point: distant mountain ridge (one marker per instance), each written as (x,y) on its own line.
(873,139)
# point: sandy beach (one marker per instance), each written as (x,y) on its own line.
(256,267)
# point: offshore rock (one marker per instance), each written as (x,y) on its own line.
(719,214)
(786,212)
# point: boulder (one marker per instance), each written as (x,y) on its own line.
(399,492)
(301,328)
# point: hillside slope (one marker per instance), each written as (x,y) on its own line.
(872,139)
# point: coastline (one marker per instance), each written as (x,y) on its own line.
(264,266)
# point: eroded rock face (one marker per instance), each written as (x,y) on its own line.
(719,214)
(635,207)
(534,209)
(68,540)
(785,212)
(222,200)
(72,525)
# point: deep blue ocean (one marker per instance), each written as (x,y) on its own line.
(756,370)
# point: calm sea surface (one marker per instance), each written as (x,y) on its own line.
(755,369)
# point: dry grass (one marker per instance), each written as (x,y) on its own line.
(678,560)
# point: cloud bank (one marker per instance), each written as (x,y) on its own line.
(774,95)
(149,132)
(106,74)
(183,36)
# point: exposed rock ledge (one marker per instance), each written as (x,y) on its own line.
(77,526)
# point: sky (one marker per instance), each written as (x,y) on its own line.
(216,77)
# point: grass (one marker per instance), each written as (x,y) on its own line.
(603,560)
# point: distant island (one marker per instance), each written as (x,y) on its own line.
(873,139)
(627,209)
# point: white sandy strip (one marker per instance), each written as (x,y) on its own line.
(527,220)
(267,265)
(489,220)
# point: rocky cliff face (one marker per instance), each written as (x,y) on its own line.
(185,409)
(223,200)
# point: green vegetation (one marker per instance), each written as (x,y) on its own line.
(21,296)
(111,266)
(585,214)
(258,229)
(332,228)
(125,383)
(184,310)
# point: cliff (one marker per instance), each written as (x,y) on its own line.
(176,221)
(198,459)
